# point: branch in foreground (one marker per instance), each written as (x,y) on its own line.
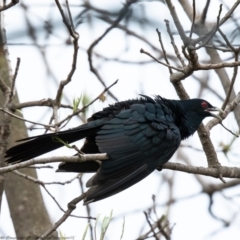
(82,158)
(229,172)
(230,107)
(217,65)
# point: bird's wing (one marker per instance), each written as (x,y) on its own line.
(136,141)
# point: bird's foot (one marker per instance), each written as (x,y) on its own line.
(160,168)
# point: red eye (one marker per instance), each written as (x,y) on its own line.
(204,105)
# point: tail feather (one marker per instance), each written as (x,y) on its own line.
(79,167)
(41,144)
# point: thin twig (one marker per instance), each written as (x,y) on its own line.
(11,4)
(25,120)
(166,65)
(175,48)
(229,13)
(177,23)
(210,34)
(212,46)
(150,225)
(42,184)
(226,40)
(40,167)
(35,180)
(234,134)
(48,126)
(230,107)
(71,207)
(163,50)
(235,72)
(121,15)
(204,12)
(88,209)
(75,37)
(86,106)
(47,102)
(70,15)
(193,20)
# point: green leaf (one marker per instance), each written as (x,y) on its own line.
(58,139)
(76,102)
(95,227)
(85,232)
(105,224)
(62,236)
(123,225)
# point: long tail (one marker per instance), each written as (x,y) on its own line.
(38,145)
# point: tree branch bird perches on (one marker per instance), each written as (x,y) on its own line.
(138,136)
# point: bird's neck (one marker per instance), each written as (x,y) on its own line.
(186,120)
(187,128)
(188,125)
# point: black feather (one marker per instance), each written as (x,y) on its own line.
(138,135)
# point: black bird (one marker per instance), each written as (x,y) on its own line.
(138,136)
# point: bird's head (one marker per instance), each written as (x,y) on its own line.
(201,108)
(193,112)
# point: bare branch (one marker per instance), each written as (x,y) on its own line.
(121,15)
(178,25)
(163,50)
(81,158)
(209,35)
(227,110)
(25,120)
(235,72)
(83,108)
(229,13)
(204,13)
(193,19)
(150,225)
(166,65)
(47,102)
(35,180)
(42,184)
(71,207)
(173,44)
(63,83)
(227,172)
(217,65)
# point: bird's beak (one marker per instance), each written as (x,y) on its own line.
(215,109)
